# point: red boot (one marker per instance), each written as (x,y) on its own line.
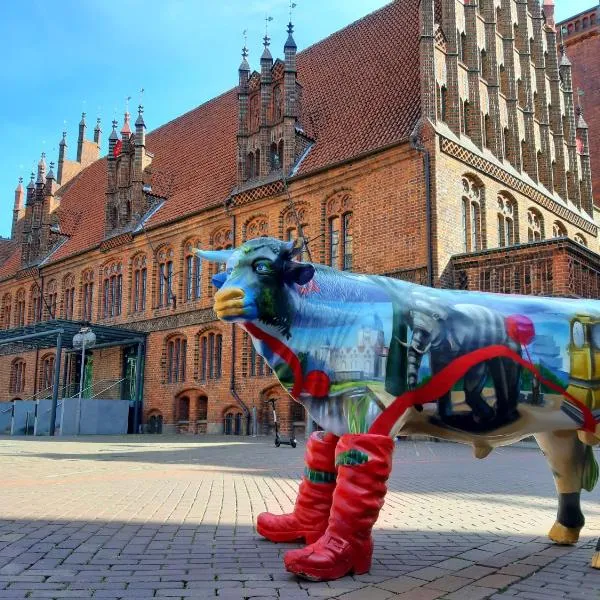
(364,464)
(309,519)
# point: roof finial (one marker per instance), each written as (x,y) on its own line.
(267,39)
(126,128)
(244,66)
(140,120)
(113,135)
(292,7)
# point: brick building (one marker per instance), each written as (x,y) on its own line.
(581,37)
(431,141)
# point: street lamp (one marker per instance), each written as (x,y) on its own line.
(84,338)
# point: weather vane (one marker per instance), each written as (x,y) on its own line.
(127,103)
(268,19)
(141,95)
(292,7)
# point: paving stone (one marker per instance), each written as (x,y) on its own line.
(496,580)
(471,592)
(401,584)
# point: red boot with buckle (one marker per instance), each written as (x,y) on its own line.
(311,512)
(364,463)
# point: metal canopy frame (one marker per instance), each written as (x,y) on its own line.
(54,332)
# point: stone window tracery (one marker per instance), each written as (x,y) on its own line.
(290,222)
(140,282)
(176,359)
(580,239)
(34,304)
(193,272)
(507,221)
(46,374)
(472,224)
(20,308)
(535,225)
(87,293)
(340,232)
(17,376)
(558,230)
(68,296)
(164,294)
(211,355)
(51,300)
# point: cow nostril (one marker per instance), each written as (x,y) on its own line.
(229,294)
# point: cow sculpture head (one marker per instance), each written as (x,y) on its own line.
(259,281)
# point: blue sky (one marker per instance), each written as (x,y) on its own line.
(58,59)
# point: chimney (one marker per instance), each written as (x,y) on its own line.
(81,137)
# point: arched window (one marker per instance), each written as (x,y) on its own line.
(250,166)
(558,230)
(253,364)
(87,294)
(535,225)
(46,374)
(256,227)
(112,290)
(17,376)
(68,297)
(6,309)
(220,240)
(20,308)
(193,272)
(34,304)
(275,160)
(51,300)
(164,294)
(140,283)
(339,231)
(507,221)
(211,355)
(580,239)
(176,359)
(291,218)
(472,215)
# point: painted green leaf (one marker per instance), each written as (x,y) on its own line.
(590,470)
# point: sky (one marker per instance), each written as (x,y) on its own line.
(59,59)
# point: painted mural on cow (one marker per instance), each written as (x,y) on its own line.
(372,357)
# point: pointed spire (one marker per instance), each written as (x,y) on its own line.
(564,59)
(244,66)
(581,124)
(31,184)
(20,185)
(97,131)
(139,122)
(290,42)
(114,135)
(50,172)
(63,141)
(266,55)
(126,129)
(41,169)
(81,137)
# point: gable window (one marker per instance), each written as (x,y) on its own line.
(17,376)
(535,225)
(193,272)
(47,374)
(165,278)
(20,309)
(112,290)
(472,215)
(176,359)
(68,296)
(211,355)
(139,283)
(6,307)
(507,213)
(87,293)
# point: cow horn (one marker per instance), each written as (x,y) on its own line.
(219,256)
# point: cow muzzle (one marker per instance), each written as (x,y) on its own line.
(229,303)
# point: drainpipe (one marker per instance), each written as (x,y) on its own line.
(416,143)
(232,389)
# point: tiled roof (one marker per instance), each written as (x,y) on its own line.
(360,92)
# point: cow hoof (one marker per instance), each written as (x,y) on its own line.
(564,536)
(481,451)
(596,560)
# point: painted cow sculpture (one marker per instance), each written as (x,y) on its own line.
(371,357)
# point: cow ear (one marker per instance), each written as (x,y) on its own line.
(297,272)
(219,279)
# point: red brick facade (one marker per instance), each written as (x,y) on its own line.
(382,175)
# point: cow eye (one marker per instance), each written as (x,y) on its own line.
(263,266)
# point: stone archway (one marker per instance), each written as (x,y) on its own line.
(190,411)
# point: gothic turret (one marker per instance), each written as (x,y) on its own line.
(243,75)
(81,137)
(18,210)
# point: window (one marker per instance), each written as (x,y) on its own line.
(112,290)
(253,364)
(535,225)
(17,376)
(87,292)
(6,307)
(20,309)
(51,300)
(34,304)
(139,283)
(220,240)
(291,233)
(68,296)
(339,232)
(579,239)
(176,359)
(558,230)
(193,272)
(164,295)
(211,356)
(507,213)
(443,103)
(472,215)
(46,374)
(462,42)
(250,166)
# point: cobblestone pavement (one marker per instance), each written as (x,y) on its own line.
(172,517)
